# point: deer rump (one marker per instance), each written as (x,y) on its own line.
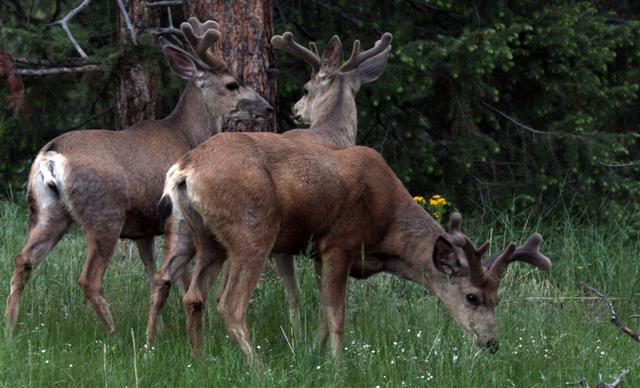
(267,186)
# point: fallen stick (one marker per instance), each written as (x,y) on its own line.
(583,381)
(614,316)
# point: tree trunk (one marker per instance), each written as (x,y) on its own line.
(135,86)
(246,27)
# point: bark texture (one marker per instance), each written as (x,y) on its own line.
(246,27)
(135,87)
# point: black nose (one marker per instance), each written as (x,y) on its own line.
(269,109)
(492,346)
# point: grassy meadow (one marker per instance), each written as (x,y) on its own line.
(396,333)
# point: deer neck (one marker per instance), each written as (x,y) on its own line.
(336,116)
(191,117)
(410,243)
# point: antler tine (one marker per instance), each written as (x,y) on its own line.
(474,256)
(286,43)
(357,57)
(528,253)
(201,37)
(200,28)
(314,48)
(455,227)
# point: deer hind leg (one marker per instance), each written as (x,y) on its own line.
(100,247)
(44,234)
(335,272)
(145,248)
(323,330)
(208,262)
(286,267)
(179,250)
(243,275)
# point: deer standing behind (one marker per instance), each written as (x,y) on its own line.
(109,182)
(328,106)
(245,195)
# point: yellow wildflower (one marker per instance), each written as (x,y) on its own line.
(419,199)
(437,200)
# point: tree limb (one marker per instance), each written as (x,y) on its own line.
(614,316)
(127,21)
(70,62)
(162,31)
(64,24)
(88,119)
(614,165)
(58,70)
(163,3)
(516,122)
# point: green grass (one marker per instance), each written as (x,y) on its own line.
(396,333)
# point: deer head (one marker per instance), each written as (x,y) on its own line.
(221,93)
(329,75)
(469,287)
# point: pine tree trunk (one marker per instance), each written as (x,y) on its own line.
(246,27)
(135,86)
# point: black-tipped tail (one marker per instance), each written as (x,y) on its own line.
(165,207)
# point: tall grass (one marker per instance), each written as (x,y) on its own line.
(397,334)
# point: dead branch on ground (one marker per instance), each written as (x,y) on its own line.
(616,383)
(614,315)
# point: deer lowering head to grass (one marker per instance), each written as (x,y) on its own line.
(109,182)
(245,195)
(328,105)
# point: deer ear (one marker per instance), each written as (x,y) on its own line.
(445,257)
(332,55)
(371,69)
(181,62)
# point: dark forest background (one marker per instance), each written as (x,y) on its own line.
(485,102)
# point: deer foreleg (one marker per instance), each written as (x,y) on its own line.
(335,271)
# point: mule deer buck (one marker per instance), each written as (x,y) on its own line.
(328,105)
(245,195)
(109,182)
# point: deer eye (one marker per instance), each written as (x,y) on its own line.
(305,91)
(232,86)
(473,299)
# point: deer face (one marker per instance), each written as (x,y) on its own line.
(222,94)
(226,97)
(472,306)
(469,288)
(313,93)
(330,77)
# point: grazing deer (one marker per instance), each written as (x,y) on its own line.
(328,106)
(245,195)
(109,182)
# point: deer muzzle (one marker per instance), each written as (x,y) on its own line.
(258,107)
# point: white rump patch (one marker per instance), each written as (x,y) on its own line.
(46,179)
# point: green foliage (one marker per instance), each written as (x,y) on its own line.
(483,101)
(58,103)
(479,102)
